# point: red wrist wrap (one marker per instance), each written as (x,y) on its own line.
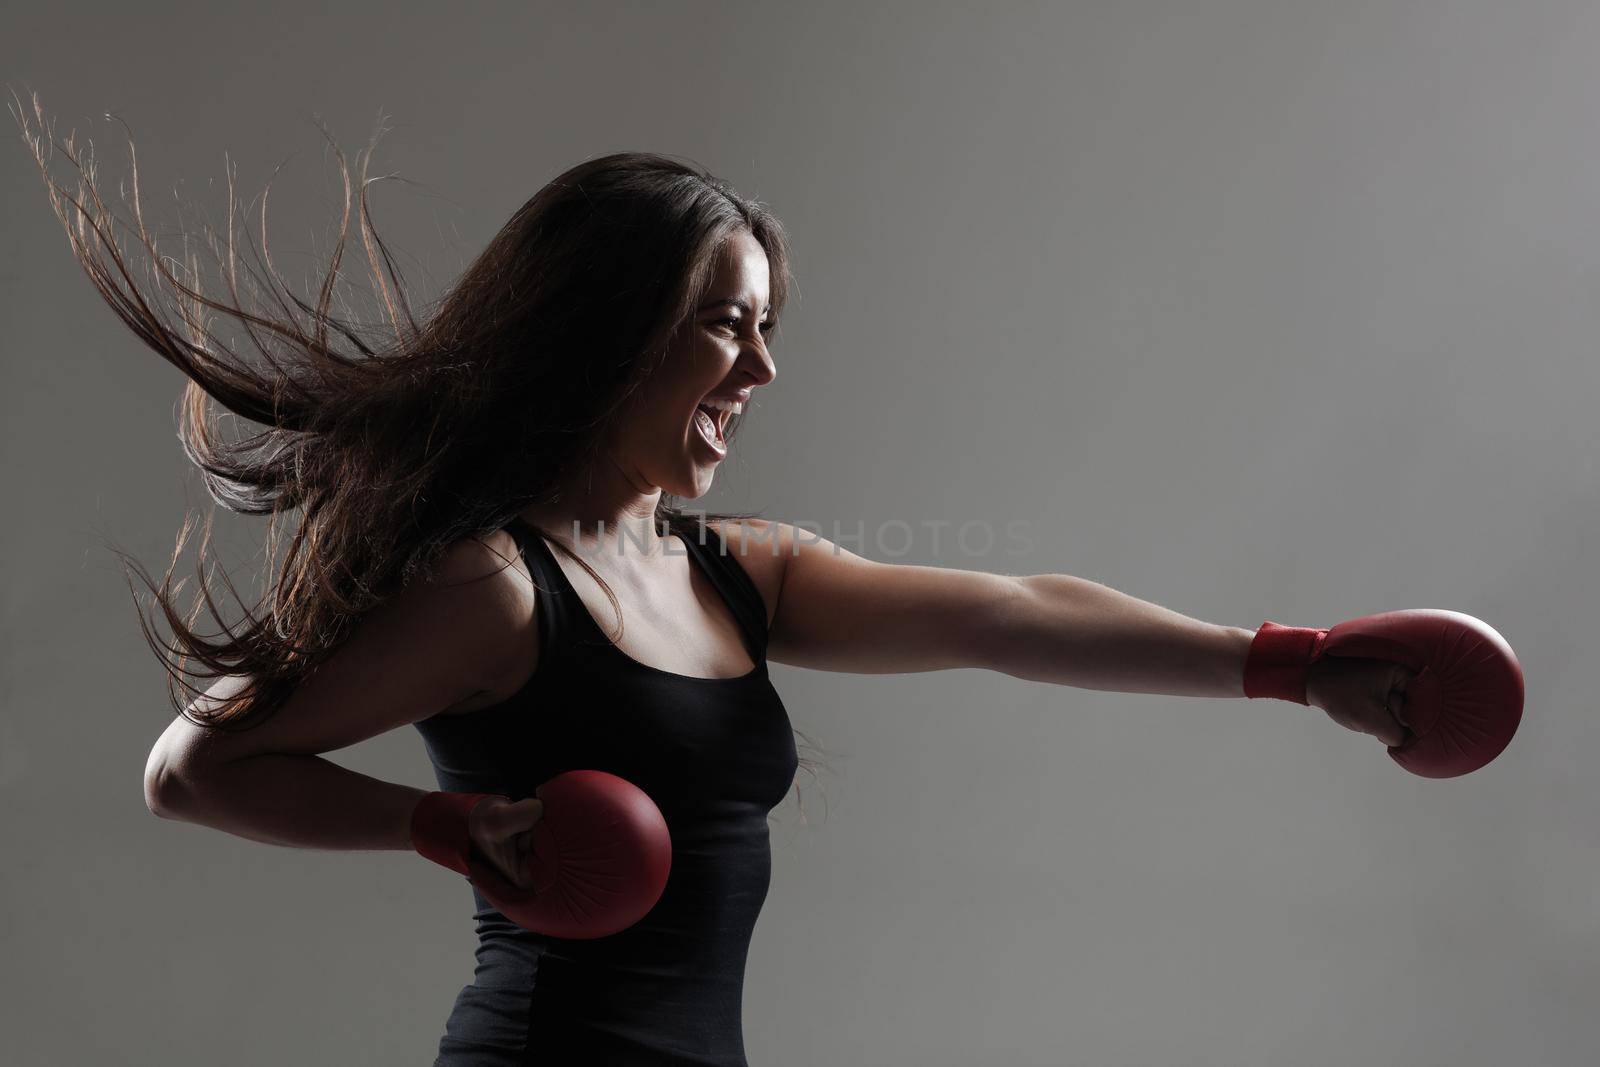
(439,828)
(1278,660)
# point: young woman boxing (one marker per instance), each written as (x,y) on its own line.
(485,544)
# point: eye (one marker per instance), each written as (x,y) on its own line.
(731,323)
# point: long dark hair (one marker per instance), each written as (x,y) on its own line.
(383,443)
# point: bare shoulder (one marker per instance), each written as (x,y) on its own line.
(486,568)
(492,556)
(443,644)
(507,623)
(764,548)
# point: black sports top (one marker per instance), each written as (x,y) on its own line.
(715,754)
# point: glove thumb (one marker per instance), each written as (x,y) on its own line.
(524,814)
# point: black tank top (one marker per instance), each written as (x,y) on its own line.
(715,754)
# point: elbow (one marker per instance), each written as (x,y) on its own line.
(997,636)
(162,786)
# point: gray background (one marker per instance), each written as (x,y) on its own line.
(1254,309)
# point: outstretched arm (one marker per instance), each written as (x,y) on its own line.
(837,611)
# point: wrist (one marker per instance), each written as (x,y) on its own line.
(1279,660)
(440,828)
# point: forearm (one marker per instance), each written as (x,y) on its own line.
(298,801)
(1073,631)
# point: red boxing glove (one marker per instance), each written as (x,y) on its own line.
(601,854)
(1463,706)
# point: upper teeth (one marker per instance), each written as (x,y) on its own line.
(733,406)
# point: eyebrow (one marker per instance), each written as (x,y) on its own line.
(735,302)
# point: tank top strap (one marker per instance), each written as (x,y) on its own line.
(561,612)
(732,582)
(564,621)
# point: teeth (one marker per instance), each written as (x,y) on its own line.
(733,406)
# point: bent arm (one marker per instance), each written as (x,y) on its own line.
(436,646)
(837,611)
(298,801)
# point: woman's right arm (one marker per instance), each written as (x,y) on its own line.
(464,636)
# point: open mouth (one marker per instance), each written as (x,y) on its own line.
(711,419)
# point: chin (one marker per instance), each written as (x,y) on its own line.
(695,492)
(693,487)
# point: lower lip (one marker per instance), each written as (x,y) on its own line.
(711,445)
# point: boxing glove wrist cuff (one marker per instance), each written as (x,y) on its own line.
(1278,661)
(439,828)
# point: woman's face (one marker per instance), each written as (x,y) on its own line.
(672,439)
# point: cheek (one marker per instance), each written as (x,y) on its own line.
(662,406)
(711,361)
(671,422)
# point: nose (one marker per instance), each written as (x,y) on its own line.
(757,362)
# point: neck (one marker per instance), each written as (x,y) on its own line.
(600,512)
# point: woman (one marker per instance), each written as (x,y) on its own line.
(486,548)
